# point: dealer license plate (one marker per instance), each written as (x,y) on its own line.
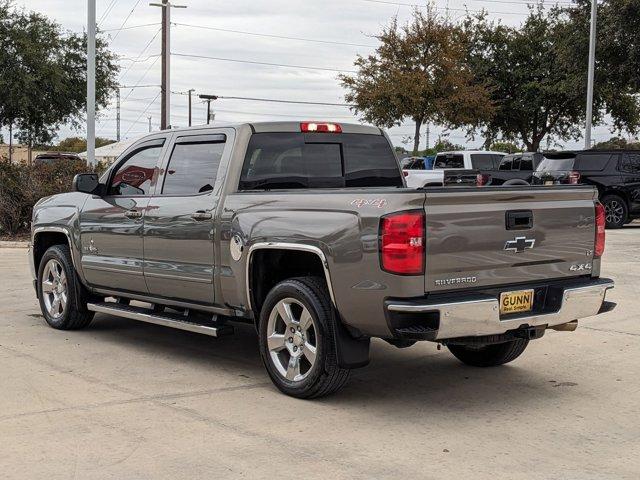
(515,302)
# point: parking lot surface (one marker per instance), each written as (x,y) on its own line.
(127,400)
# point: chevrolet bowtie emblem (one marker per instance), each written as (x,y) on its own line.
(519,244)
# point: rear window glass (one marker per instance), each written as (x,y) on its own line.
(316,160)
(483,161)
(449,161)
(506,163)
(630,163)
(526,163)
(593,161)
(557,162)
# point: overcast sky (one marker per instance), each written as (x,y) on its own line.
(134,31)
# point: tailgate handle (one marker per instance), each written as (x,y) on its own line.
(519,219)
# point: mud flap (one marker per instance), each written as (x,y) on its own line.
(352,352)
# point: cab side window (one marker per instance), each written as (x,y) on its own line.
(135,176)
(193,165)
(630,163)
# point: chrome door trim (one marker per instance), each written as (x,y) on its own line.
(56,229)
(287,246)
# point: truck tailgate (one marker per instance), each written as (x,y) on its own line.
(498,235)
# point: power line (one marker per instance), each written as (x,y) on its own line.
(125,21)
(106,11)
(268,35)
(269,64)
(131,27)
(142,52)
(274,100)
(143,112)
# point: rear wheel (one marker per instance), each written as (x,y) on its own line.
(297,339)
(63,299)
(616,212)
(489,355)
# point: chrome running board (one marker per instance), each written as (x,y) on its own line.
(165,319)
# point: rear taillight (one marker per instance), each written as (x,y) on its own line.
(573,178)
(482,179)
(307,127)
(402,237)
(600,226)
(405,173)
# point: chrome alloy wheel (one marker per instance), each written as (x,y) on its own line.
(291,339)
(54,289)
(614,212)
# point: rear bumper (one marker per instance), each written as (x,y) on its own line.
(478,315)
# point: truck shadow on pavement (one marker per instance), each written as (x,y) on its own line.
(397,380)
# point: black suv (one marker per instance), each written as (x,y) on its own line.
(616,173)
(516,169)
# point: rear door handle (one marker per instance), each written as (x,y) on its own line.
(133,214)
(201,215)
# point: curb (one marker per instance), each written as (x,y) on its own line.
(12,244)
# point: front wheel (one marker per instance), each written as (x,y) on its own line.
(63,300)
(297,342)
(489,355)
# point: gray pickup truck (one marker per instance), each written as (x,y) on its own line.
(308,232)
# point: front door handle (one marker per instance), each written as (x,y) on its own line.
(201,215)
(133,214)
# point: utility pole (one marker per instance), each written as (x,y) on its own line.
(189,92)
(208,98)
(590,71)
(91,82)
(149,118)
(427,135)
(118,114)
(165,89)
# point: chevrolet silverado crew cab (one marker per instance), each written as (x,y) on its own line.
(308,232)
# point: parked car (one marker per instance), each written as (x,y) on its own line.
(615,173)
(475,161)
(514,169)
(307,232)
(52,157)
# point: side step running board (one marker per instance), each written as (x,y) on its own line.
(165,319)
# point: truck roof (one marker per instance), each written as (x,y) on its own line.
(286,126)
(460,152)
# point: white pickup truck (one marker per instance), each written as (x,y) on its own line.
(452,161)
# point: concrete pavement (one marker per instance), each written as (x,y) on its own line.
(125,400)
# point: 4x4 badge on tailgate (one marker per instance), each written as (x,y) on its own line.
(519,244)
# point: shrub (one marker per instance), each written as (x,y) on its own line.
(21,186)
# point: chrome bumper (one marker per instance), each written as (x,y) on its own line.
(479,315)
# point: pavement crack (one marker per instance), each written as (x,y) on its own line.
(612,331)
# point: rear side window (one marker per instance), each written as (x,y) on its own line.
(482,161)
(506,163)
(193,166)
(630,163)
(526,163)
(593,161)
(449,161)
(316,160)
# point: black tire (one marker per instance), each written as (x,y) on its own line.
(616,211)
(489,355)
(515,181)
(324,376)
(74,314)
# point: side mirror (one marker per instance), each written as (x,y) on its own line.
(85,183)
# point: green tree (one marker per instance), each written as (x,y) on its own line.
(75,144)
(43,80)
(506,147)
(418,71)
(617,143)
(537,76)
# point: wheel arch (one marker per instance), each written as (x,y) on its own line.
(48,236)
(311,260)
